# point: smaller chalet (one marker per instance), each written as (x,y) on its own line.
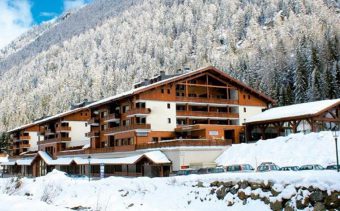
(305,117)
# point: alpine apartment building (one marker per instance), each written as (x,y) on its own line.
(163,124)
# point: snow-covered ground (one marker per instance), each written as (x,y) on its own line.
(57,191)
(295,149)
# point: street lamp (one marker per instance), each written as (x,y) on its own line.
(89,168)
(336,135)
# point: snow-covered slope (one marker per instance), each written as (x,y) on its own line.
(295,149)
(167,194)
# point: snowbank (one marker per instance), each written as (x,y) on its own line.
(172,193)
(295,149)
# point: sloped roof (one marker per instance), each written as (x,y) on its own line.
(293,111)
(180,77)
(25,161)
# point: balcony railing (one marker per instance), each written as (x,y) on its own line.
(111,118)
(126,128)
(92,134)
(52,140)
(208,114)
(63,128)
(94,121)
(25,137)
(172,143)
(25,146)
(206,100)
(136,111)
(185,142)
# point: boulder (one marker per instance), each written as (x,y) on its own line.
(316,196)
(215,184)
(254,196)
(318,206)
(220,193)
(276,205)
(302,203)
(200,184)
(242,195)
(243,184)
(333,201)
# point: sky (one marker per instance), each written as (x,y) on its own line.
(17,16)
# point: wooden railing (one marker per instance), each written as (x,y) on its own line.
(127,128)
(63,128)
(207,114)
(184,142)
(94,121)
(206,100)
(138,111)
(111,117)
(25,137)
(94,133)
(172,143)
(52,140)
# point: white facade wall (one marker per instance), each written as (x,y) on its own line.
(34,140)
(158,118)
(250,111)
(77,133)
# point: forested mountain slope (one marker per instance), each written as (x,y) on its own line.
(288,49)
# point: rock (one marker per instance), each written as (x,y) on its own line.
(215,184)
(234,190)
(230,203)
(212,191)
(254,196)
(333,200)
(288,207)
(319,206)
(276,205)
(316,196)
(228,184)
(302,203)
(242,195)
(254,185)
(131,205)
(265,200)
(220,193)
(243,184)
(200,184)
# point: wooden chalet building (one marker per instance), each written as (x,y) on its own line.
(187,119)
(305,117)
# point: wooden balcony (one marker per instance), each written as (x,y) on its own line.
(25,137)
(94,121)
(24,145)
(126,128)
(206,100)
(184,142)
(111,118)
(138,111)
(208,114)
(48,132)
(63,128)
(99,150)
(92,134)
(53,140)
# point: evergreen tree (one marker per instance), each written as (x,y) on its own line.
(4,142)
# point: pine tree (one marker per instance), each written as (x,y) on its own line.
(4,142)
(300,76)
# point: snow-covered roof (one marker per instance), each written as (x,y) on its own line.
(49,161)
(157,157)
(8,163)
(297,110)
(25,161)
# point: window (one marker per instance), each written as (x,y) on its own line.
(169,120)
(168,105)
(162,90)
(248,97)
(85,124)
(155,139)
(81,114)
(244,110)
(168,91)
(244,96)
